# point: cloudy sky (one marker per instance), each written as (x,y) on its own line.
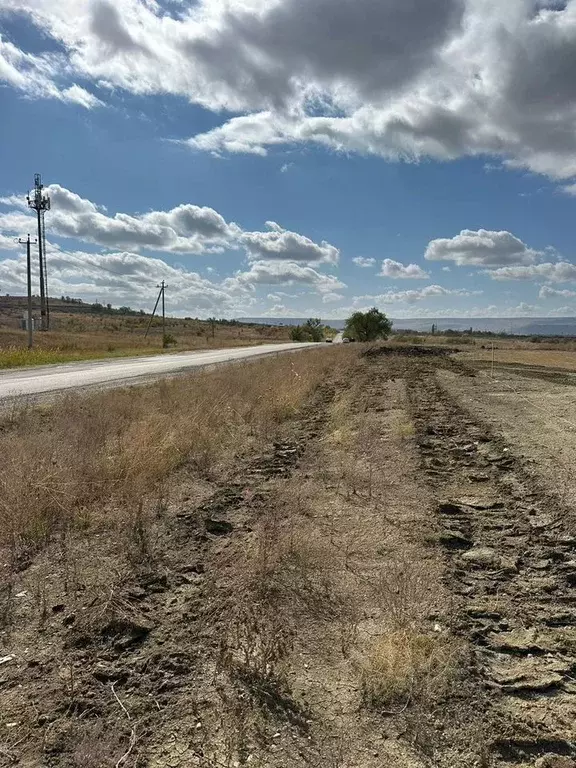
(295,157)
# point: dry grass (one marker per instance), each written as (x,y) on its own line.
(562,359)
(407,665)
(91,338)
(94,459)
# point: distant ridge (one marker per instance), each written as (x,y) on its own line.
(522,326)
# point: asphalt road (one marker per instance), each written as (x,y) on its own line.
(45,379)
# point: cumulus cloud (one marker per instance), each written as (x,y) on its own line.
(360,261)
(486,92)
(327,298)
(185,229)
(128,278)
(552,272)
(552,293)
(279,243)
(277,257)
(481,248)
(287,273)
(402,80)
(413,296)
(398,271)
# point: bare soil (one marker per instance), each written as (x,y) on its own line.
(389,584)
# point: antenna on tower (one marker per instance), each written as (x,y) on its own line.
(40,203)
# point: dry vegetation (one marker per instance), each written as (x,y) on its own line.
(85,335)
(92,460)
(275,606)
(562,359)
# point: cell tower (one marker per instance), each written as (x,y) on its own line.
(41,203)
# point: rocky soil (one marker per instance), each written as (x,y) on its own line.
(234,627)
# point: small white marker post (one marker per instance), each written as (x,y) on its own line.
(492,374)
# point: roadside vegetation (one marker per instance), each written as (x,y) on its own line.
(93,459)
(82,331)
(311,330)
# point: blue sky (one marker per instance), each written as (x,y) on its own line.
(295,158)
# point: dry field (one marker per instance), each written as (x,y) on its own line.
(86,336)
(354,558)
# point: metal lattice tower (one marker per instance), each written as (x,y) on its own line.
(40,203)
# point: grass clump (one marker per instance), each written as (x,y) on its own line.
(408,666)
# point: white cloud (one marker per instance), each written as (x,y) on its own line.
(402,80)
(185,229)
(398,271)
(481,248)
(557,272)
(569,189)
(287,273)
(360,261)
(279,243)
(330,297)
(128,278)
(552,293)
(413,296)
(34,76)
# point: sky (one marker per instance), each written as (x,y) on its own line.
(294,158)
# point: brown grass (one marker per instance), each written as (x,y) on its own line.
(91,460)
(562,359)
(407,665)
(88,339)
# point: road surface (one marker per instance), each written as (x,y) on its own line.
(45,379)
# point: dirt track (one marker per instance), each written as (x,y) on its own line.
(388,510)
(512,562)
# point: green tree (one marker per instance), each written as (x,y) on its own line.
(368,326)
(297,333)
(314,329)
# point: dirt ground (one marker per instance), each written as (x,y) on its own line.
(390,584)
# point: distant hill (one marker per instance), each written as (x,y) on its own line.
(522,326)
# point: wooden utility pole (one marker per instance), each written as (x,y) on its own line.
(163,291)
(27,243)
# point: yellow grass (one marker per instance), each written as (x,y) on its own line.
(565,360)
(93,459)
(123,337)
(405,665)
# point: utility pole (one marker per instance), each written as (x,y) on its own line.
(41,203)
(29,275)
(163,291)
(161,295)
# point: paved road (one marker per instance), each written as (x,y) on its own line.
(45,379)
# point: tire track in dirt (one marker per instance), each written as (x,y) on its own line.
(513,564)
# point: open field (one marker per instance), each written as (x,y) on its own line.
(78,332)
(354,558)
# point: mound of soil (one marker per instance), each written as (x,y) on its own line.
(409,351)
